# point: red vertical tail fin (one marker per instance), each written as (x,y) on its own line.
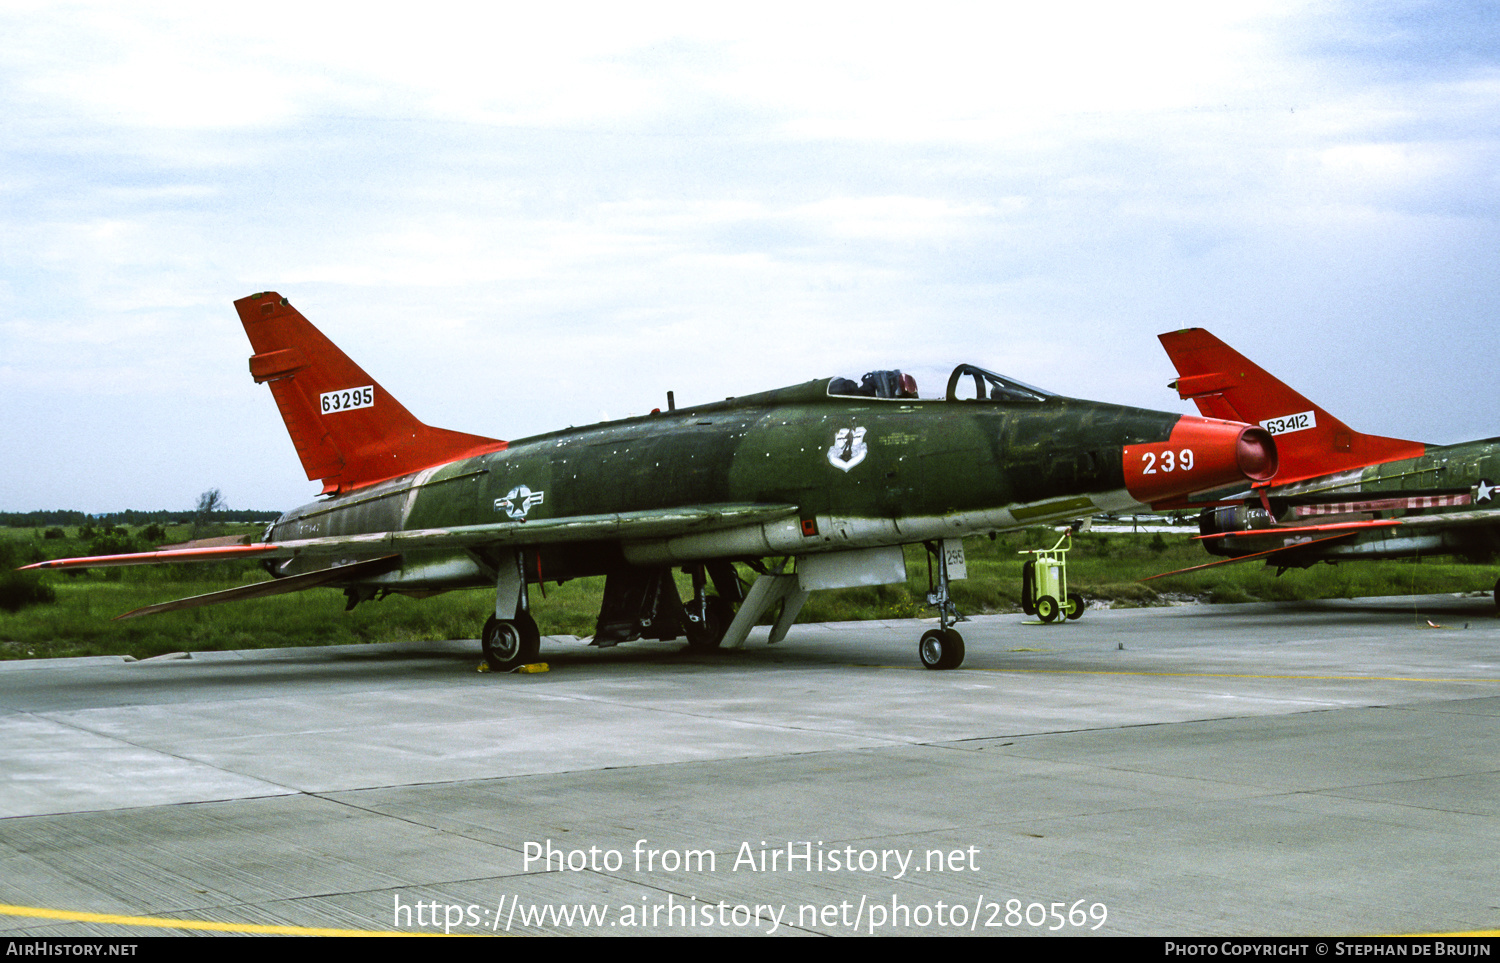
(1225,384)
(349,431)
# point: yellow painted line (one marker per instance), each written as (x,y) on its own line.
(1230,675)
(39,912)
(1403,936)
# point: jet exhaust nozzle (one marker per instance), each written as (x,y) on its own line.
(1256,454)
(1201,454)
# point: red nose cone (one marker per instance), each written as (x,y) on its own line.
(1200,455)
(1257,454)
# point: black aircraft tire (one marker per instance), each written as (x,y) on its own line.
(941,649)
(510,643)
(1075,606)
(1047,609)
(705,636)
(1028,587)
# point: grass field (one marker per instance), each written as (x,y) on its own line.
(1102,567)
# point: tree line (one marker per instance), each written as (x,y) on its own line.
(41,519)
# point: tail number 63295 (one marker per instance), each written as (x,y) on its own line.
(347,399)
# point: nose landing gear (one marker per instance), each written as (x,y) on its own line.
(943,647)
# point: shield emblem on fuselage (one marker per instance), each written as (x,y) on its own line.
(848,448)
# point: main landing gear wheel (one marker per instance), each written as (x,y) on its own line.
(508,643)
(1075,606)
(705,632)
(1047,609)
(941,649)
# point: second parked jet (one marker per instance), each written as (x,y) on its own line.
(1339,495)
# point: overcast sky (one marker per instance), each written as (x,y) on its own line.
(517,219)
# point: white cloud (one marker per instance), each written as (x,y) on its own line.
(596,204)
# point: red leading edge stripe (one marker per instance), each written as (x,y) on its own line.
(151,558)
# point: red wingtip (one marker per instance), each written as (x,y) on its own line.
(207,554)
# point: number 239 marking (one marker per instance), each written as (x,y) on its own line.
(1170,461)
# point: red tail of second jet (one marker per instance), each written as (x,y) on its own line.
(349,431)
(1310,442)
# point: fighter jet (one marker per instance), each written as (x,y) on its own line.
(813,486)
(1338,494)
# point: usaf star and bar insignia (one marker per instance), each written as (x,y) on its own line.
(518,502)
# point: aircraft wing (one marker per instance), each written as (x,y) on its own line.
(277,586)
(625,526)
(217,554)
(1245,558)
(1341,527)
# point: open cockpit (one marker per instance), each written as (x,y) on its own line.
(967,383)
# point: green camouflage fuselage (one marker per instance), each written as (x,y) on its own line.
(850,473)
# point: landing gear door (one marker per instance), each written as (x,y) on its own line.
(510,586)
(953,555)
